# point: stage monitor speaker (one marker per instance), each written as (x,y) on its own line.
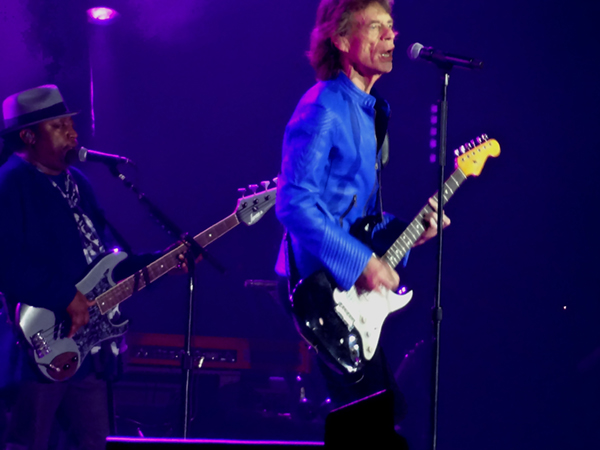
(375,414)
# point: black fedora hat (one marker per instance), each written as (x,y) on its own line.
(33,106)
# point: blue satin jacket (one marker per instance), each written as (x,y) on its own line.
(329,180)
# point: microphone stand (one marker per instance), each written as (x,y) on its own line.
(437,308)
(194,251)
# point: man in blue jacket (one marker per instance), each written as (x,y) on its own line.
(330,167)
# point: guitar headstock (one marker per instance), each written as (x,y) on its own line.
(250,209)
(471,157)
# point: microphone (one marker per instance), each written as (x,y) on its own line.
(441,58)
(85,154)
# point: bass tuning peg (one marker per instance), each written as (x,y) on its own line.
(265,184)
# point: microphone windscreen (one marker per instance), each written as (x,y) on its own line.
(414,50)
(82,154)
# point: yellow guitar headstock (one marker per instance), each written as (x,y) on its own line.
(471,157)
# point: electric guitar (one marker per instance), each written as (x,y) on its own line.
(344,326)
(58,357)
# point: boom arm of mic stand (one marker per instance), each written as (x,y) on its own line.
(167,224)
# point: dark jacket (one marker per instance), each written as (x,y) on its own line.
(41,256)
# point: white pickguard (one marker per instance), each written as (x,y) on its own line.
(367,311)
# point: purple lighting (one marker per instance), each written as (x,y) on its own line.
(223,442)
(101,14)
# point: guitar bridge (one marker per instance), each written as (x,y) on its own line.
(39,344)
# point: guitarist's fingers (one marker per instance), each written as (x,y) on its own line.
(76,325)
(389,279)
(434,205)
(79,313)
(433,221)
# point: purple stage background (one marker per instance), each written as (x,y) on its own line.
(198,93)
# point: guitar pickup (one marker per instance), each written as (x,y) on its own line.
(345,316)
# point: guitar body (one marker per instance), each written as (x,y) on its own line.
(343,326)
(57,356)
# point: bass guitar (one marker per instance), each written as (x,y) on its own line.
(58,357)
(344,326)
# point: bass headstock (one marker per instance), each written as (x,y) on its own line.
(251,208)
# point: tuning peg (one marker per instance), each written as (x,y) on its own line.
(473,144)
(484,137)
(242,191)
(253,188)
(456,152)
(463,149)
(275,180)
(265,184)
(478,140)
(468,145)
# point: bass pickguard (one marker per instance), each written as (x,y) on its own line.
(57,356)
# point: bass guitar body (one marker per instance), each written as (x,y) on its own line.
(57,356)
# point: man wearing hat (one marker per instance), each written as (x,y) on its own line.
(51,229)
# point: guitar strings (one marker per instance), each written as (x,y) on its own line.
(49,332)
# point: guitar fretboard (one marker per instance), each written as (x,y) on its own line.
(416,228)
(139,280)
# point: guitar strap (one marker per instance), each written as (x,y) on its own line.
(118,237)
(293,274)
(127,248)
(383,145)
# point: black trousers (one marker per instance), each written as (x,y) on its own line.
(80,406)
(368,404)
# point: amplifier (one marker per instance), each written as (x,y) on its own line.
(209,352)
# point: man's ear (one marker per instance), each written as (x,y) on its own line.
(341,43)
(27,136)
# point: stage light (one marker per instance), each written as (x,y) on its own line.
(101,15)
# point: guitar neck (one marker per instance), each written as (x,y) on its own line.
(407,239)
(129,286)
